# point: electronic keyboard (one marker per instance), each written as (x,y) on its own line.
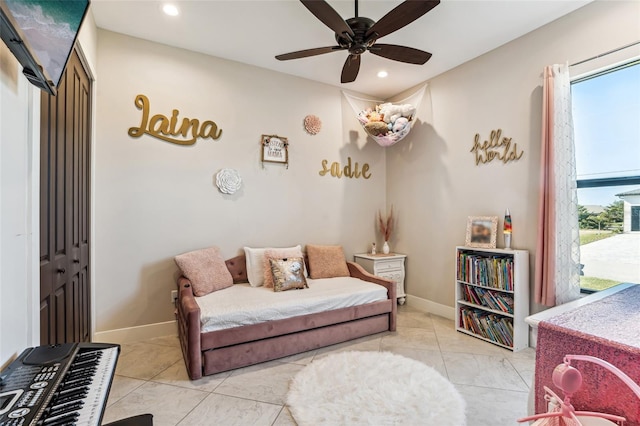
(65,384)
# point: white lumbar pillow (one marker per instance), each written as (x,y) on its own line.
(255,262)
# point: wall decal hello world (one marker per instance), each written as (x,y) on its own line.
(495,148)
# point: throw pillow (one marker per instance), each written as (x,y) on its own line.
(278,254)
(205,269)
(288,274)
(255,264)
(326,262)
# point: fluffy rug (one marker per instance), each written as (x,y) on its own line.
(373,388)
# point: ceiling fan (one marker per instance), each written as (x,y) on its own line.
(360,34)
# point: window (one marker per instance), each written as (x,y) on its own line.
(606,111)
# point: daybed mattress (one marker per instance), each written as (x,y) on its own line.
(242,304)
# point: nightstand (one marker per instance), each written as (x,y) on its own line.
(388,266)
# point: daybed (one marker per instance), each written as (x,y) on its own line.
(210,352)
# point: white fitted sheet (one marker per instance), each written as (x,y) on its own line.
(242,304)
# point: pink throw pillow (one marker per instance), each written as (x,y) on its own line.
(326,262)
(205,269)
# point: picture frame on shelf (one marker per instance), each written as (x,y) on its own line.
(482,231)
(275,149)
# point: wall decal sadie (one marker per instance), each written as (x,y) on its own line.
(164,128)
(336,170)
(495,148)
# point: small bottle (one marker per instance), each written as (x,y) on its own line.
(373,248)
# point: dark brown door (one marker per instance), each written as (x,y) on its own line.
(64,209)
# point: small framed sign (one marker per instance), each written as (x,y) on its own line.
(482,231)
(275,149)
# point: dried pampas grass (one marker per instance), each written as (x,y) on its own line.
(386,225)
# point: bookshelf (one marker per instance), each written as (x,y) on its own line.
(492,295)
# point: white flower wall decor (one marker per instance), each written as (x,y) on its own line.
(228,181)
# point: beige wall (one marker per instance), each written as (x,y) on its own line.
(433,181)
(154,199)
(19,133)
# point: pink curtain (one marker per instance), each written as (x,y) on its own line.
(545,292)
(557,275)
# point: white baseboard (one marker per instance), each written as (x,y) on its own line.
(431,307)
(136,334)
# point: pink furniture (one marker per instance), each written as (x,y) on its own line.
(216,351)
(607,329)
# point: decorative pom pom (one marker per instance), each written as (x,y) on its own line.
(312,124)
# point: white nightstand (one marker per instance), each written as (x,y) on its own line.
(389,266)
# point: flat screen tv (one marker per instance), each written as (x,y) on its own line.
(41,35)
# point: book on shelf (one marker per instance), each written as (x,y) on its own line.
(488,298)
(488,325)
(487,270)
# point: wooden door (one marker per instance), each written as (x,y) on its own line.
(64,209)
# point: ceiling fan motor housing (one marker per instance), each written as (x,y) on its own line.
(360,43)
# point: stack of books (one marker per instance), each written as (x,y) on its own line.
(490,326)
(490,299)
(495,271)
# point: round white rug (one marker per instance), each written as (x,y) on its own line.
(373,388)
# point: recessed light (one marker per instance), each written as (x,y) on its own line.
(382,74)
(170,10)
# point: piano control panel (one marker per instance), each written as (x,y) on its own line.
(58,385)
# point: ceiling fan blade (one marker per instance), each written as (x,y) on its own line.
(400,53)
(350,69)
(308,52)
(328,16)
(403,14)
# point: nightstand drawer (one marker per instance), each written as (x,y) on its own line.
(395,276)
(389,267)
(386,265)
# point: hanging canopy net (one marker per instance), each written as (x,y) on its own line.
(387,123)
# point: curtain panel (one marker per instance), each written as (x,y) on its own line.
(557,274)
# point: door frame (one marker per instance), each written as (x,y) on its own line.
(33,328)
(92,203)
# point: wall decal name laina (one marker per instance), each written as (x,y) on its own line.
(167,128)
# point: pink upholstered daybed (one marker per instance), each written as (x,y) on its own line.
(210,352)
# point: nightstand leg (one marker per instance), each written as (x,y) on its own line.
(401,300)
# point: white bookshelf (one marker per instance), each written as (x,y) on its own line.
(492,293)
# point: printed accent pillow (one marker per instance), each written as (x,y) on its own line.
(288,274)
(255,263)
(279,254)
(205,269)
(326,262)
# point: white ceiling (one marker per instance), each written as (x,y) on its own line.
(253,32)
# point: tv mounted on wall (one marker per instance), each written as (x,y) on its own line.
(41,35)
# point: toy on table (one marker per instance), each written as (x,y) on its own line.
(568,379)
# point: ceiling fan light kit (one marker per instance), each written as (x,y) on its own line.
(359,35)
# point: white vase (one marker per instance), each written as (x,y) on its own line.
(385,247)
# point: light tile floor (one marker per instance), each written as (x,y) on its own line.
(151,378)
